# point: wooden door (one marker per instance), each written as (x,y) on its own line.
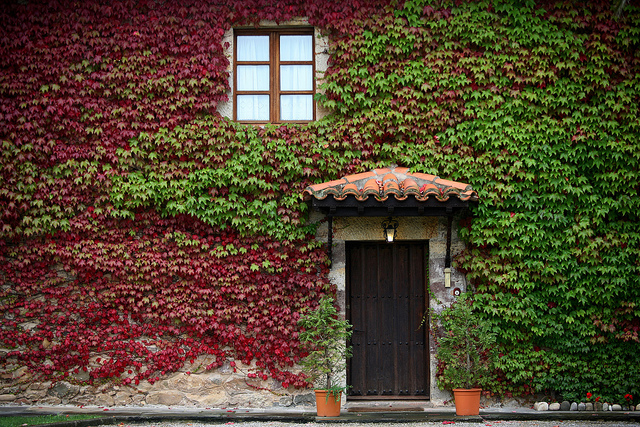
(386,302)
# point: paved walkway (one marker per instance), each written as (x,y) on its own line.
(350,414)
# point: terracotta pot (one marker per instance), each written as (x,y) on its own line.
(326,403)
(467,401)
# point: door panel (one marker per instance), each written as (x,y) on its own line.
(386,301)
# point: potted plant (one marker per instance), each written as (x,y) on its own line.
(466,354)
(324,336)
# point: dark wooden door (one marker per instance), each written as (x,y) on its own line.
(386,302)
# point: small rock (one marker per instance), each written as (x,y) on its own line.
(616,408)
(138,400)
(7,397)
(582,406)
(19,373)
(574,406)
(64,389)
(167,398)
(565,406)
(541,406)
(285,401)
(598,406)
(51,400)
(122,398)
(104,399)
(555,406)
(226,368)
(638,407)
(82,376)
(589,406)
(304,399)
(605,406)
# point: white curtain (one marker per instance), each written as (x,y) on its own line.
(253,107)
(296,48)
(296,77)
(296,107)
(253,77)
(253,48)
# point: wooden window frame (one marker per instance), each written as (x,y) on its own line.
(274,63)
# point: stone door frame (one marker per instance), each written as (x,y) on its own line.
(426,228)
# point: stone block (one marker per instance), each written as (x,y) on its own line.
(40,386)
(216,398)
(304,399)
(184,382)
(122,398)
(82,376)
(213,381)
(104,399)
(225,368)
(555,406)
(144,386)
(50,400)
(138,399)
(165,397)
(35,394)
(285,401)
(541,406)
(63,389)
(22,372)
(7,397)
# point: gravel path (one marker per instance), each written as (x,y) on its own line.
(409,424)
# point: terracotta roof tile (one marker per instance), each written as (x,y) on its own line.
(396,181)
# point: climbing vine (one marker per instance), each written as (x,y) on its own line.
(140,229)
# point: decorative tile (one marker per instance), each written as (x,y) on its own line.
(391,182)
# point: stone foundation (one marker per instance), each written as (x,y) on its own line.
(218,388)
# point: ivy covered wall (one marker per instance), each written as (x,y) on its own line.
(142,231)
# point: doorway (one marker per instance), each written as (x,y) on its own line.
(386,296)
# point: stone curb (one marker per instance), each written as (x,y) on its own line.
(345,417)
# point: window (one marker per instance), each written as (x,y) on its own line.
(274,76)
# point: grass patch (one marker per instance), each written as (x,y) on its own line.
(19,421)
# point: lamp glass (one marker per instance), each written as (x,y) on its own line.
(390,234)
(390,227)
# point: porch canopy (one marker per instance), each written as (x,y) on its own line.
(393,191)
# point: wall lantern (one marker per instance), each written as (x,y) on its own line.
(390,229)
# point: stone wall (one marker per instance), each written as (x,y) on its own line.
(218,388)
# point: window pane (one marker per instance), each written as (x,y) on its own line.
(296,107)
(253,77)
(296,77)
(253,107)
(253,48)
(296,48)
